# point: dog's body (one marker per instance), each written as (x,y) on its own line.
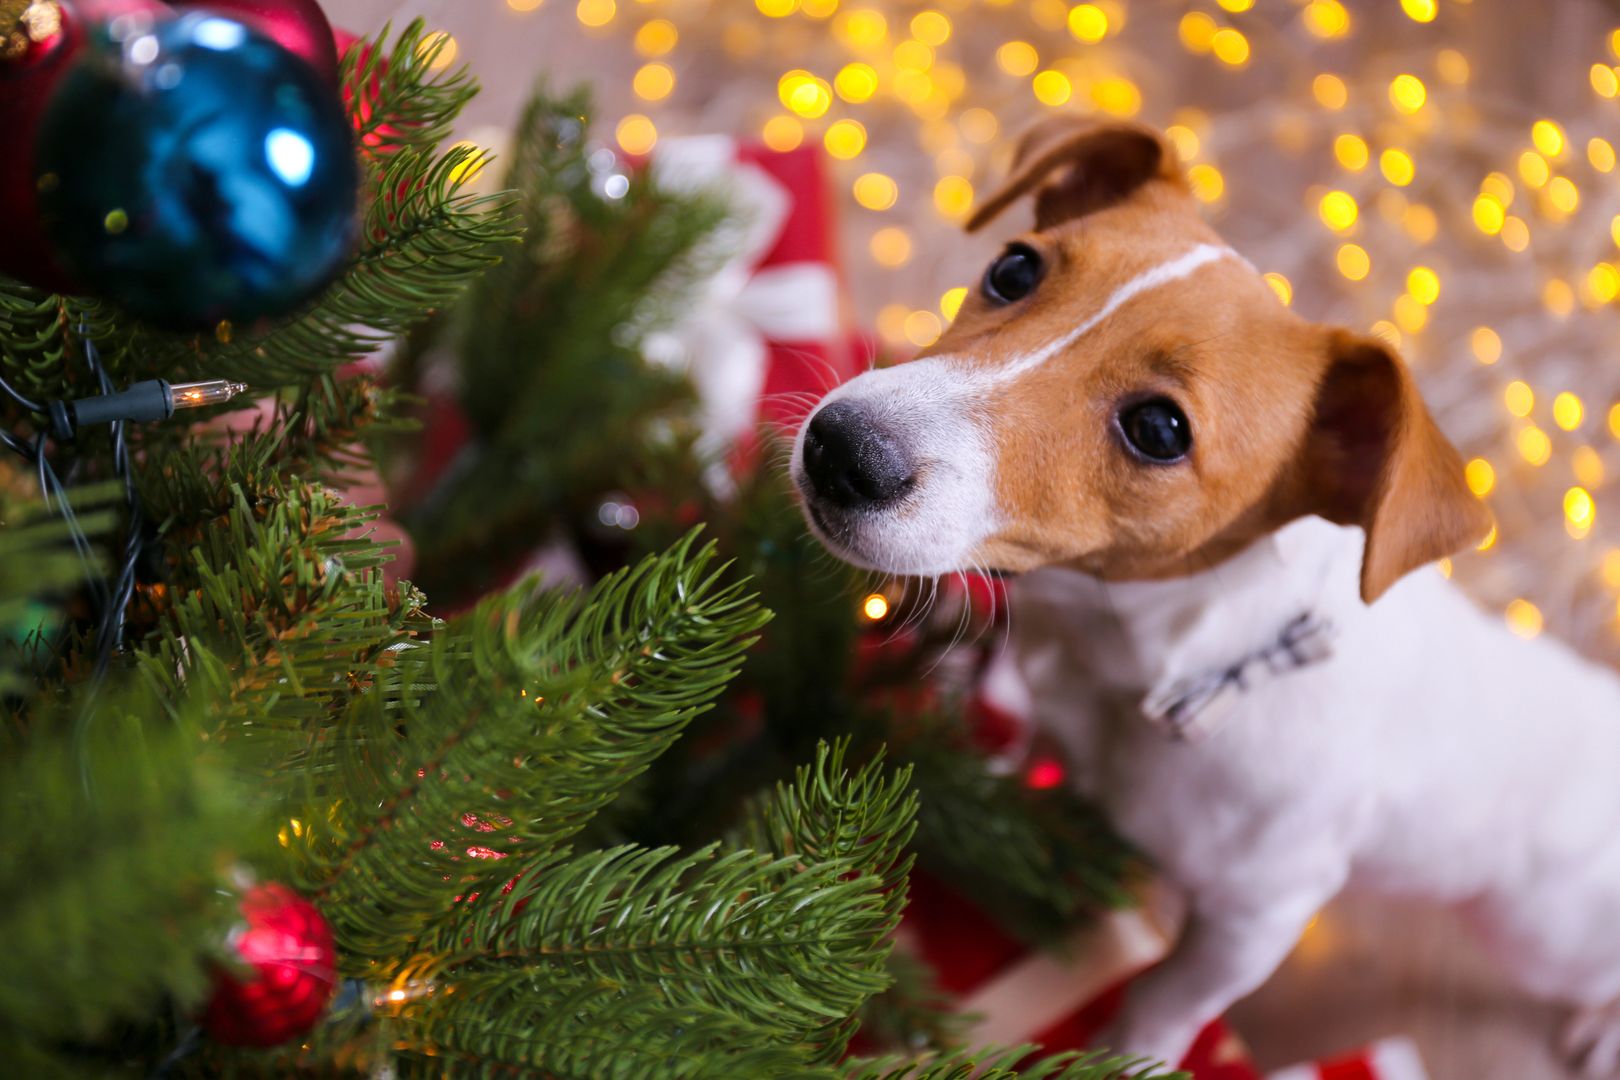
(1216,506)
(1430,753)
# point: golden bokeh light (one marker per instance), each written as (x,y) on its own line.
(1017,58)
(1338,210)
(653,82)
(951,302)
(1523,618)
(1568,411)
(656,37)
(1397,167)
(1351,151)
(1353,261)
(1481,477)
(1519,398)
(636,134)
(1281,286)
(782,133)
(1330,91)
(1486,345)
(1407,93)
(876,191)
(1326,18)
(844,139)
(890,247)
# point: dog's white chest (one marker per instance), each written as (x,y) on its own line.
(1439,753)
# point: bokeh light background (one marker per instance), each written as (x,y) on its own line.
(1440,172)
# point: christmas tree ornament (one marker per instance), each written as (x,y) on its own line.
(288,944)
(30,30)
(299,26)
(193,170)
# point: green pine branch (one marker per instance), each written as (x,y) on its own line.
(399,97)
(120,831)
(999,1063)
(506,731)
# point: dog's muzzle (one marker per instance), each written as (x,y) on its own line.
(851,462)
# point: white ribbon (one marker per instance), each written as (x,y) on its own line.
(721,342)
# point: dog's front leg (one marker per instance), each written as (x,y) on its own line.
(1223,955)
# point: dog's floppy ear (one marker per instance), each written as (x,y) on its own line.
(1375,458)
(1078,166)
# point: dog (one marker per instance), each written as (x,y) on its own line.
(1223,519)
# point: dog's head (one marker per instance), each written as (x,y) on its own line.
(1124,394)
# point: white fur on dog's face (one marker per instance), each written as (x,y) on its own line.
(930,406)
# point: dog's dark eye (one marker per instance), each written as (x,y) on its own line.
(1013,275)
(1157,429)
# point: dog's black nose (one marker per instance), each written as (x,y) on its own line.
(851,462)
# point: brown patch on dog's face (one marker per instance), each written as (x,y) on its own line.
(1127,396)
(1217,345)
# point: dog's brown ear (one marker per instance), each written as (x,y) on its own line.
(1078,166)
(1375,458)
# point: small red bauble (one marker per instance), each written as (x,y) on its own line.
(289,945)
(299,26)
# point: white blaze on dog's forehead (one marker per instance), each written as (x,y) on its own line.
(1152,278)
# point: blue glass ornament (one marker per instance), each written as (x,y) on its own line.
(192,170)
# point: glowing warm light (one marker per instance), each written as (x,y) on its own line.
(777,9)
(931,27)
(1515,233)
(1330,91)
(818,9)
(1558,297)
(978,125)
(1489,213)
(1088,23)
(1387,332)
(862,28)
(1587,465)
(951,302)
(1563,194)
(1604,81)
(913,56)
(1568,411)
(1452,66)
(1614,421)
(523,5)
(953,196)
(875,607)
(1237,7)
(1498,187)
(636,134)
(1197,31)
(891,322)
(1338,210)
(1524,618)
(469,167)
(1600,152)
(856,82)
(1206,182)
(804,94)
(1603,282)
(1116,95)
(875,191)
(1519,398)
(1397,167)
(1353,261)
(1444,566)
(653,82)
(1051,88)
(1424,284)
(1420,223)
(1487,345)
(1017,58)
(656,38)
(1410,315)
(1548,137)
(1614,41)
(439,49)
(782,133)
(1420,10)
(1351,152)
(1489,541)
(1281,286)
(1407,93)
(1230,47)
(1044,774)
(1184,139)
(922,328)
(1533,169)
(1534,446)
(845,139)
(890,247)
(1326,18)
(595,13)
(1579,509)
(1481,477)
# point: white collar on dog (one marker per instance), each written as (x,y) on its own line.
(1191,709)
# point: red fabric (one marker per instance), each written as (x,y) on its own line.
(1354,1068)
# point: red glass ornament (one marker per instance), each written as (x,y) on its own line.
(289,945)
(300,26)
(25,87)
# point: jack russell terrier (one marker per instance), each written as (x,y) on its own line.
(1222,515)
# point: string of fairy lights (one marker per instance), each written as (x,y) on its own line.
(1368,155)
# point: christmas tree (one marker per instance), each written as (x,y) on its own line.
(267,814)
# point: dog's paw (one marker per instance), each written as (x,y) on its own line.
(1592,1041)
